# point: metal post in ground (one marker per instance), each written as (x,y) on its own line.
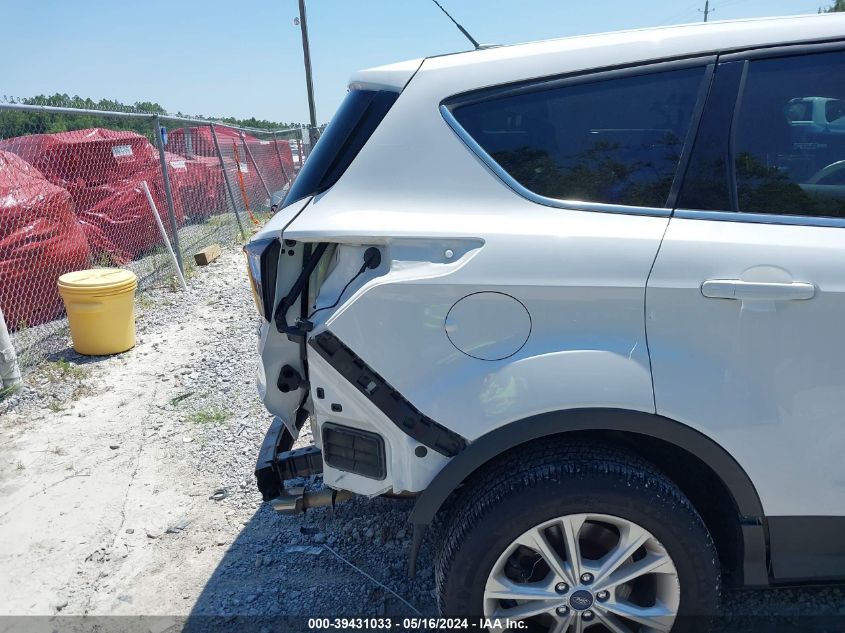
(226,180)
(168,194)
(281,162)
(189,141)
(257,170)
(309,84)
(157,216)
(10,373)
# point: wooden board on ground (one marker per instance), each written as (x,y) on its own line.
(207,255)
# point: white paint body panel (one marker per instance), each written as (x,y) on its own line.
(577,274)
(415,191)
(765,378)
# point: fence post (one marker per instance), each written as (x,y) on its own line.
(189,141)
(281,162)
(257,170)
(226,180)
(10,373)
(168,194)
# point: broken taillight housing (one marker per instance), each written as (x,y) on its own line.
(262,258)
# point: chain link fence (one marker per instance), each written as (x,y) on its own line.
(73,199)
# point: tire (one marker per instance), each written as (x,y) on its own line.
(542,482)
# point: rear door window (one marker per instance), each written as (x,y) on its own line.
(779,147)
(616,141)
(788,164)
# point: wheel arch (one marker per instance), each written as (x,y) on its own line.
(751,536)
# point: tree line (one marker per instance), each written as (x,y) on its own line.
(17,123)
(836,7)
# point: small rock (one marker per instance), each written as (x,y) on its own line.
(369,533)
(187,439)
(180,525)
(114,447)
(153,533)
(61,604)
(219,494)
(130,530)
(319,538)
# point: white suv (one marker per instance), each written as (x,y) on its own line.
(584,300)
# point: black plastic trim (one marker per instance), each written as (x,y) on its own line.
(692,134)
(363,453)
(540,84)
(277,462)
(266,475)
(536,427)
(301,462)
(388,400)
(784,50)
(807,548)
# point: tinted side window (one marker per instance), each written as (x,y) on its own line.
(789,148)
(614,141)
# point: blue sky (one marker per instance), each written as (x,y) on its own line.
(245,58)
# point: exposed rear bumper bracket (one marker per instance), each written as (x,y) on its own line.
(276,462)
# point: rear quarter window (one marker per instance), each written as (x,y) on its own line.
(356,119)
(615,141)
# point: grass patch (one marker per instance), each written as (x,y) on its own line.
(63,369)
(209,416)
(144,302)
(5,392)
(190,270)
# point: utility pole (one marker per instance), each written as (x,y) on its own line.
(707,9)
(306,51)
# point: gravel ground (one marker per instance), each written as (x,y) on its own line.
(127,487)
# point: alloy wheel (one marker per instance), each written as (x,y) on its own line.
(585,571)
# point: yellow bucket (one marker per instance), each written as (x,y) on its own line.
(100,306)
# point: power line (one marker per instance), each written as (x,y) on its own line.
(678,16)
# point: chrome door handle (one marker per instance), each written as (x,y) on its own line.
(740,290)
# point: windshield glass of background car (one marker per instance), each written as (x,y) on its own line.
(616,141)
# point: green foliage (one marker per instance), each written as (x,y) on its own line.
(837,7)
(18,123)
(209,416)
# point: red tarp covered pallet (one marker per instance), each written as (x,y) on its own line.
(102,170)
(197,184)
(40,239)
(200,143)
